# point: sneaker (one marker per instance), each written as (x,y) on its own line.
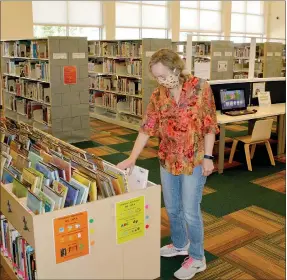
(170,251)
(189,268)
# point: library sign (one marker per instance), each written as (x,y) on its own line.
(70,75)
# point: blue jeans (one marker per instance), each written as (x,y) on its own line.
(182,197)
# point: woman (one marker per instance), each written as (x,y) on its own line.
(182,113)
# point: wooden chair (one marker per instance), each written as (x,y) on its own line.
(261,134)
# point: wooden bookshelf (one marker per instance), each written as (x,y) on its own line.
(45,84)
(7,266)
(119,81)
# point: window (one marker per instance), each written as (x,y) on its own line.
(67,18)
(247,20)
(200,36)
(200,17)
(141,19)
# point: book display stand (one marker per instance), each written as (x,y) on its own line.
(112,238)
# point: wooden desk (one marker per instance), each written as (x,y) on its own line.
(272,111)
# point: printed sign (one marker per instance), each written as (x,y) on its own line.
(217,54)
(70,75)
(78,55)
(278,53)
(130,219)
(222,66)
(71,237)
(60,56)
(269,53)
(257,87)
(264,98)
(228,53)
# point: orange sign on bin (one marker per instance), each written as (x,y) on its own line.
(71,237)
(70,75)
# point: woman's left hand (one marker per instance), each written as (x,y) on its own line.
(207,167)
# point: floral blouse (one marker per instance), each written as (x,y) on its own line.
(181,127)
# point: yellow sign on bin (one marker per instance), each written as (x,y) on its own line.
(130,219)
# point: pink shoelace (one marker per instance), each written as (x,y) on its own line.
(187,262)
(170,246)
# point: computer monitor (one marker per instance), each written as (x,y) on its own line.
(232,99)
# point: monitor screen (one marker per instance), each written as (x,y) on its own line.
(232,99)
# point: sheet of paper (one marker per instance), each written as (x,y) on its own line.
(202,70)
(257,87)
(137,180)
(264,99)
(60,56)
(130,223)
(222,66)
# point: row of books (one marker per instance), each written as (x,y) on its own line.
(242,52)
(28,89)
(32,109)
(26,49)
(109,100)
(120,85)
(115,49)
(52,175)
(18,252)
(122,67)
(28,69)
(201,49)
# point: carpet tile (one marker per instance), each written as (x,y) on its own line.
(274,181)
(257,219)
(110,140)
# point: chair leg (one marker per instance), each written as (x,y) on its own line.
(270,153)
(253,147)
(233,149)
(247,155)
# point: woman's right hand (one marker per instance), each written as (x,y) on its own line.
(127,163)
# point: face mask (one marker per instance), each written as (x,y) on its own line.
(171,81)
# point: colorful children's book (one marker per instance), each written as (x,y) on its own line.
(48,202)
(55,196)
(34,203)
(72,194)
(34,158)
(19,189)
(89,182)
(61,190)
(83,191)
(29,178)
(7,176)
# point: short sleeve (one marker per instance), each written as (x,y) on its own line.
(150,121)
(209,110)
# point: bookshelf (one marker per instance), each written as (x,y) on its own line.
(99,220)
(283,72)
(119,81)
(45,84)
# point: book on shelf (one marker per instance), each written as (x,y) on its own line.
(17,251)
(53,176)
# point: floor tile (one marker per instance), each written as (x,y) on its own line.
(257,219)
(121,131)
(262,259)
(222,270)
(221,237)
(102,151)
(111,140)
(86,144)
(276,182)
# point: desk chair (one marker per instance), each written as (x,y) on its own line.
(261,134)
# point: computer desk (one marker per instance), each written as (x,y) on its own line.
(262,112)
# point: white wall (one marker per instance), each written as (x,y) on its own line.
(276,27)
